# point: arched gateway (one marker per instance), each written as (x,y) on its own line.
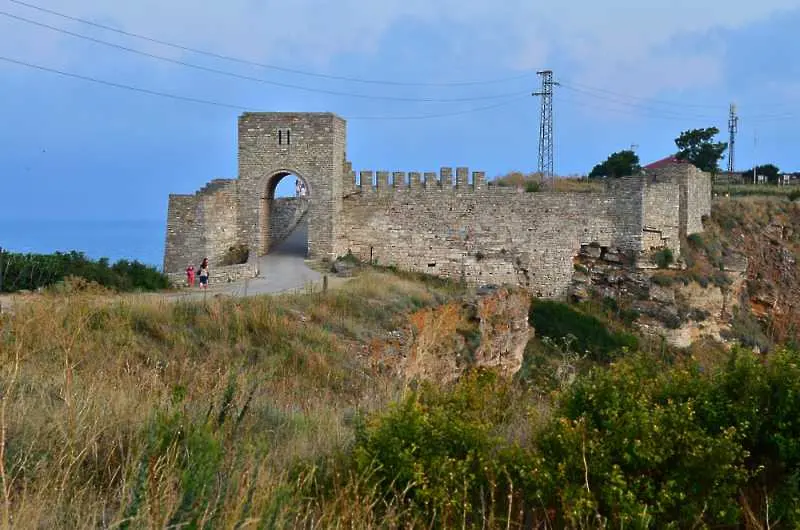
(450,224)
(243,213)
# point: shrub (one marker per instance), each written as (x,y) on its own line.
(696,240)
(34,271)
(663,258)
(532,187)
(558,321)
(794,195)
(632,447)
(662,279)
(236,255)
(440,449)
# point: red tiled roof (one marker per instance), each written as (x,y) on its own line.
(664,162)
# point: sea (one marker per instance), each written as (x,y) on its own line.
(115,240)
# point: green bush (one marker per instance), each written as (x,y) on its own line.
(662,279)
(558,321)
(647,447)
(440,449)
(640,444)
(236,255)
(696,240)
(664,258)
(532,187)
(34,271)
(794,195)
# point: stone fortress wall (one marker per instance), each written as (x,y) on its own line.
(450,223)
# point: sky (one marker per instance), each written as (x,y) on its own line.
(422,83)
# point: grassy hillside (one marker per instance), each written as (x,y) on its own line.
(285,412)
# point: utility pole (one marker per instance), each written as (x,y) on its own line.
(733,128)
(755,157)
(546,125)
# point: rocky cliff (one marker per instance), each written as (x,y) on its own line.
(738,280)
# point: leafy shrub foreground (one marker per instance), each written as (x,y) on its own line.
(558,321)
(637,445)
(33,271)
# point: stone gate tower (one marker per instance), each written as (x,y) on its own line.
(308,145)
(231,212)
(446,224)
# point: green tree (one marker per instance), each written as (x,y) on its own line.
(697,147)
(770,171)
(620,164)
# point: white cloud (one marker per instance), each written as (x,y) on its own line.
(612,43)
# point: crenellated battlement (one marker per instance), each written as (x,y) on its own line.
(451,222)
(382,181)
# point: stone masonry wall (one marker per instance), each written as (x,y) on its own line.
(697,187)
(285,215)
(217,275)
(661,216)
(310,145)
(184,232)
(221,217)
(489,236)
(201,225)
(450,224)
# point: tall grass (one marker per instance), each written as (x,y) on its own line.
(740,190)
(217,414)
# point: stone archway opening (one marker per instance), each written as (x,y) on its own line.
(284,214)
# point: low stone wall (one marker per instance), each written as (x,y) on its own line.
(285,215)
(219,275)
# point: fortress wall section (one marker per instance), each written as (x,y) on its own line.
(626,196)
(485,236)
(220,216)
(310,145)
(200,225)
(184,232)
(285,215)
(696,195)
(661,216)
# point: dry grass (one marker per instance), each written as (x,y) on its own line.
(743,190)
(533,182)
(140,414)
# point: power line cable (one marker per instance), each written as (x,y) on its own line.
(634,112)
(645,99)
(636,105)
(666,113)
(120,85)
(266,65)
(256,79)
(238,107)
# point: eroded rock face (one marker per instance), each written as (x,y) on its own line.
(504,330)
(489,330)
(680,311)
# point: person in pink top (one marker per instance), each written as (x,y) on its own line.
(190,275)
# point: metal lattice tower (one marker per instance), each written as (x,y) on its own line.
(733,128)
(546,124)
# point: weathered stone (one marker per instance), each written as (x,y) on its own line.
(661,294)
(489,331)
(451,228)
(504,330)
(591,251)
(343,268)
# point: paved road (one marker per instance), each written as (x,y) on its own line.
(283,269)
